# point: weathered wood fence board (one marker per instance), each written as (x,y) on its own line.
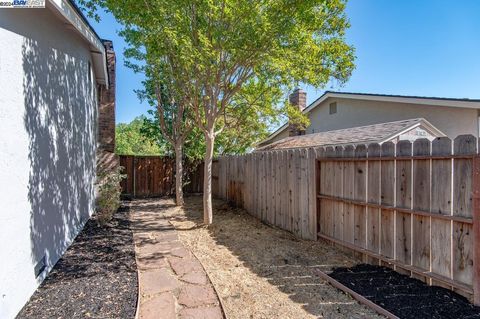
(413,207)
(408,206)
(152,176)
(277,187)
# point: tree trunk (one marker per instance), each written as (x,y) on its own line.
(207,179)
(179,174)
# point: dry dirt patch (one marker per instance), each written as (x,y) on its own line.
(260,271)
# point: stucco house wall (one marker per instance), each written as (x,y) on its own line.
(48,111)
(279,136)
(453,117)
(452,121)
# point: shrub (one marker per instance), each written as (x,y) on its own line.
(109,192)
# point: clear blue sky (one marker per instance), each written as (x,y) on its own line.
(409,47)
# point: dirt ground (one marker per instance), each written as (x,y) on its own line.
(260,271)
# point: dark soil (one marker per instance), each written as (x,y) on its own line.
(96,278)
(404,296)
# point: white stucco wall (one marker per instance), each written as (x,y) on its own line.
(48,113)
(351,113)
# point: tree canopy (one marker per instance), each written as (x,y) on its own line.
(230,60)
(130,140)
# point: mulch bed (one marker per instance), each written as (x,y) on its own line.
(96,278)
(404,296)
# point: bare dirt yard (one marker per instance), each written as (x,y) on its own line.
(260,271)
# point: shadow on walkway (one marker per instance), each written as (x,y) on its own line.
(287,263)
(172,282)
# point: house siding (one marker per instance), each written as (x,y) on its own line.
(280,136)
(452,121)
(48,111)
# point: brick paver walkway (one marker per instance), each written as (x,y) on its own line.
(172,282)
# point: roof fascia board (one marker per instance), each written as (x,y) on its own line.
(65,9)
(305,111)
(278,131)
(382,98)
(424,123)
(408,100)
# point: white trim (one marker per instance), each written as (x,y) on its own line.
(65,10)
(278,131)
(474,104)
(423,123)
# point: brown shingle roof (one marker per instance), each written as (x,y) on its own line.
(376,133)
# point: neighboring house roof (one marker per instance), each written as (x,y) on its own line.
(376,133)
(74,19)
(435,101)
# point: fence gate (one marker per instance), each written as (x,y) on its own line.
(414,207)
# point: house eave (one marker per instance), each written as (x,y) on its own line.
(433,101)
(423,123)
(75,20)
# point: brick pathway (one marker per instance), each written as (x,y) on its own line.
(172,282)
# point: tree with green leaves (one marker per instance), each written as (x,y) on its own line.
(162,91)
(245,128)
(227,54)
(130,139)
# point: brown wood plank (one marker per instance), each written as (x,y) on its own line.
(337,209)
(328,187)
(304,207)
(348,192)
(403,221)
(463,253)
(373,196)
(312,195)
(284,198)
(404,175)
(387,197)
(291,185)
(387,186)
(360,193)
(296,194)
(421,201)
(462,181)
(441,247)
(441,177)
(476,230)
(458,219)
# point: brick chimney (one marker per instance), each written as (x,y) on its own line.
(106,158)
(297,98)
(106,110)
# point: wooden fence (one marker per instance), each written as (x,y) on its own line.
(414,207)
(406,205)
(154,176)
(275,187)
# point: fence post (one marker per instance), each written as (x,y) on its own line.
(134,176)
(476,230)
